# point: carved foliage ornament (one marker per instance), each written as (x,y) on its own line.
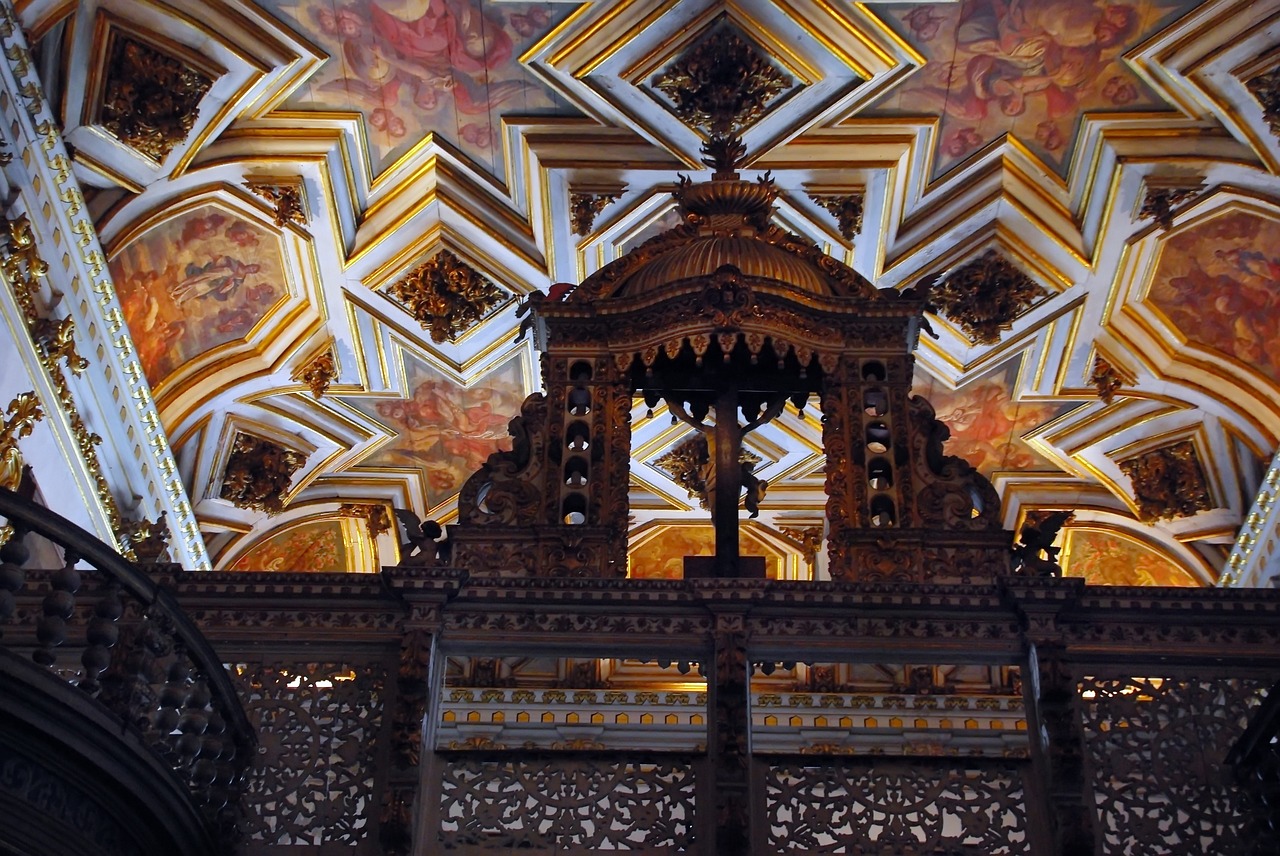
(151,99)
(1266,88)
(446,296)
(1163,196)
(319,373)
(24,412)
(985,296)
(721,84)
(846,208)
(258,473)
(689,464)
(1168,482)
(286,198)
(1106,378)
(376,519)
(585,206)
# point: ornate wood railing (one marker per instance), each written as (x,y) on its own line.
(120,639)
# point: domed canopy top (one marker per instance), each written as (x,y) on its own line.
(726,223)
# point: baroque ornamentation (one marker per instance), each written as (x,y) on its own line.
(147,539)
(1162,195)
(23,412)
(689,464)
(1266,88)
(319,372)
(57,340)
(985,296)
(585,206)
(721,84)
(1035,553)
(845,207)
(1107,378)
(375,516)
(1168,482)
(258,473)
(446,296)
(150,99)
(809,538)
(286,199)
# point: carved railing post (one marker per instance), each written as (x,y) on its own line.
(1053,719)
(727,737)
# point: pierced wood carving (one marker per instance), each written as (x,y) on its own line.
(258,473)
(446,296)
(1168,482)
(985,296)
(150,99)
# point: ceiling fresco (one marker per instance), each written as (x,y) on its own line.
(1116,156)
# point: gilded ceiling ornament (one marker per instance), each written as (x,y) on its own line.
(23,412)
(285,197)
(1168,482)
(258,473)
(148,540)
(319,372)
(1162,195)
(150,99)
(446,296)
(1035,553)
(721,84)
(985,296)
(57,340)
(845,207)
(809,538)
(1266,88)
(375,516)
(1106,378)
(585,206)
(689,465)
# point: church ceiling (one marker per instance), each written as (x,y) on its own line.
(320,217)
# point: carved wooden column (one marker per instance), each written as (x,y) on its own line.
(727,733)
(845,491)
(1053,719)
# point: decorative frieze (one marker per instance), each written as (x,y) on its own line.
(150,99)
(985,296)
(258,473)
(1168,482)
(446,296)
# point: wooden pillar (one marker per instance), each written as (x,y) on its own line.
(728,483)
(727,735)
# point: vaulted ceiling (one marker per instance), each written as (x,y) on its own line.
(321,216)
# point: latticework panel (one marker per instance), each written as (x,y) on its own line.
(1157,747)
(858,806)
(312,780)
(566,804)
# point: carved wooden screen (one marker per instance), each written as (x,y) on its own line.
(312,782)
(868,805)
(1156,746)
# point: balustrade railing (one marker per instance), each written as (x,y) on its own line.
(120,638)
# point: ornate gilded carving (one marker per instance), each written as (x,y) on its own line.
(446,296)
(23,412)
(258,473)
(286,199)
(721,84)
(319,372)
(845,207)
(586,205)
(1168,482)
(57,340)
(375,516)
(507,489)
(985,296)
(1163,194)
(150,99)
(1266,88)
(147,539)
(1107,378)
(809,538)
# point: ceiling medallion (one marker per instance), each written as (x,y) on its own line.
(446,296)
(985,296)
(258,473)
(845,207)
(1167,482)
(151,99)
(721,85)
(1266,88)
